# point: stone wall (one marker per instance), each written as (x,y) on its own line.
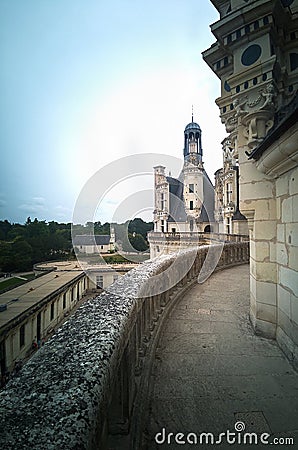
(253,57)
(272,208)
(287,260)
(87,381)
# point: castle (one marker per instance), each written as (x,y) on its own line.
(185,204)
(189,210)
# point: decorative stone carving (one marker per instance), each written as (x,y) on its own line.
(230,122)
(193,159)
(240,107)
(254,102)
(257,120)
(229,152)
(256,126)
(269,95)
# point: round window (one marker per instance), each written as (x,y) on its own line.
(251,55)
(287,2)
(227,86)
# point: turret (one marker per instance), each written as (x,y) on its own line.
(193,151)
(192,170)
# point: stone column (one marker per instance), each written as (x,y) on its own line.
(257,203)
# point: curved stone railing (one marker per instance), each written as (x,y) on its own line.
(197,236)
(89,381)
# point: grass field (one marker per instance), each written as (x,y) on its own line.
(113,258)
(12,282)
(117,258)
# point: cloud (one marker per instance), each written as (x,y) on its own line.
(29,208)
(62,212)
(2,203)
(34,206)
(60,208)
(40,201)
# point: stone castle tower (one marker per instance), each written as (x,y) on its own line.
(193,191)
(184,204)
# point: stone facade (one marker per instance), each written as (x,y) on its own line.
(186,204)
(32,311)
(93,244)
(255,57)
(227,213)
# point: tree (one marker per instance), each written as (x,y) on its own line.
(6,257)
(138,242)
(15,231)
(22,254)
(37,241)
(5,227)
(37,228)
(138,226)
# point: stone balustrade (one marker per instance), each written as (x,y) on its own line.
(197,237)
(89,380)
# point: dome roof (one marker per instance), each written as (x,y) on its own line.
(192,126)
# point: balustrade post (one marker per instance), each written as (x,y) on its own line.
(144,330)
(154,310)
(138,344)
(118,414)
(151,316)
(226,255)
(164,298)
(158,305)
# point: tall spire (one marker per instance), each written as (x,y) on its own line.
(192,113)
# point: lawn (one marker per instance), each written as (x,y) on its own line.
(12,282)
(113,258)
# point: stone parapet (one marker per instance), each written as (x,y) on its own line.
(86,383)
(168,243)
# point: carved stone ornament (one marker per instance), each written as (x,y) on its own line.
(230,122)
(239,106)
(268,95)
(193,160)
(256,126)
(255,112)
(229,152)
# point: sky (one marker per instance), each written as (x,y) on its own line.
(84,83)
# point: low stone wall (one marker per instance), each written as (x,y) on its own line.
(83,384)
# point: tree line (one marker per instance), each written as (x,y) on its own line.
(23,245)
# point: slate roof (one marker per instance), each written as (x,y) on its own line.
(193,126)
(86,239)
(176,208)
(207,212)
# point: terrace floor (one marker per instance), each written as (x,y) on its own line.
(212,373)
